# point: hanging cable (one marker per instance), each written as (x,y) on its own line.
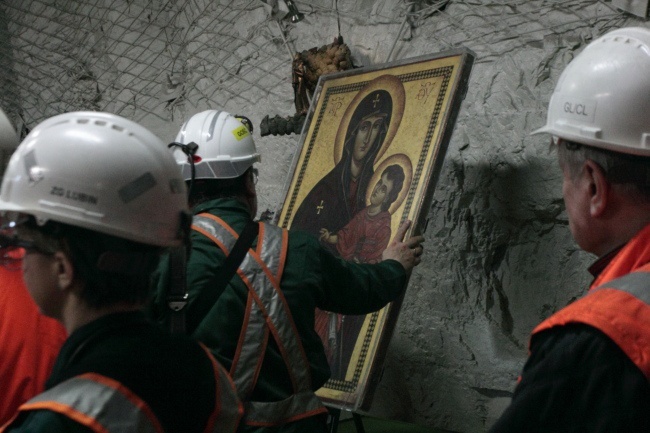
(338,18)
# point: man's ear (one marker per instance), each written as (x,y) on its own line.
(599,188)
(250,186)
(63,269)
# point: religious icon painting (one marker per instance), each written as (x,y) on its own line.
(372,148)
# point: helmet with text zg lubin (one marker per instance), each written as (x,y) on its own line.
(225,145)
(602,98)
(100,172)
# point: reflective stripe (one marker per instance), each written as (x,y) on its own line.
(136,188)
(295,407)
(636,284)
(213,124)
(99,403)
(278,312)
(229,410)
(261,274)
(271,251)
(251,353)
(207,224)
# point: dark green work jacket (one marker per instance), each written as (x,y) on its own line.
(312,277)
(173,375)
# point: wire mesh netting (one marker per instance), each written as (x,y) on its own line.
(138,58)
(133,58)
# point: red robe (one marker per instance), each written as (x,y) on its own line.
(365,237)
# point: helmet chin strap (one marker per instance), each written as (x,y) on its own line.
(188,149)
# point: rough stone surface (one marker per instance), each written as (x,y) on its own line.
(499,256)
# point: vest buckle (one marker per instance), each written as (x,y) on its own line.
(177,302)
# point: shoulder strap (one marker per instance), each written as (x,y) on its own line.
(236,256)
(177,297)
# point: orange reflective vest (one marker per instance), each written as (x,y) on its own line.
(105,405)
(618,303)
(267,313)
(30,341)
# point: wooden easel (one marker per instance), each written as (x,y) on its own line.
(334,417)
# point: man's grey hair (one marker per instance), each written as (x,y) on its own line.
(630,172)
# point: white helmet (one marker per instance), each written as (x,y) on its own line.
(8,137)
(225,146)
(101,172)
(602,98)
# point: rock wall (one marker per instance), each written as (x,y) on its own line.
(499,256)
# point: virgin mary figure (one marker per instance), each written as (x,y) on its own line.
(341,193)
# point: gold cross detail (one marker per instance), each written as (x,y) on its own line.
(375,101)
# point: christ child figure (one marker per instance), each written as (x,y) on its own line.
(366,236)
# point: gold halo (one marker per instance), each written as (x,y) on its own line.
(395,88)
(404,162)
